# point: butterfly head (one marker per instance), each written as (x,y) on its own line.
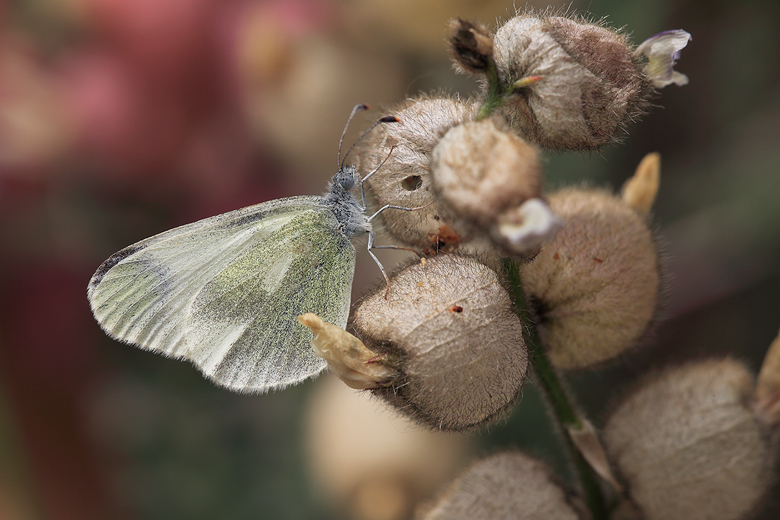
(346,178)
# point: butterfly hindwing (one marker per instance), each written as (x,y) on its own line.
(251,265)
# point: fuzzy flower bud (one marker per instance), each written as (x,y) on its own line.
(482,177)
(595,284)
(576,84)
(447,326)
(689,445)
(369,464)
(479,172)
(404,179)
(504,486)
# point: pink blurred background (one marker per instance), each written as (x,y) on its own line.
(122,118)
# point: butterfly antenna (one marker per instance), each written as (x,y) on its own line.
(386,119)
(355,110)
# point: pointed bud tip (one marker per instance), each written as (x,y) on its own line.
(768,385)
(639,192)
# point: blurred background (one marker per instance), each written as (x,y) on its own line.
(122,118)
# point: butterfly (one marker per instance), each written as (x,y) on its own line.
(224,292)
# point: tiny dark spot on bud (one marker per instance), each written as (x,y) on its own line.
(412,183)
(597,259)
(556,256)
(456,308)
(436,217)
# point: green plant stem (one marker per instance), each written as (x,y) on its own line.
(496,95)
(563,410)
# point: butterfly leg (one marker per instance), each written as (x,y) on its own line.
(381,267)
(372,172)
(371,240)
(390,206)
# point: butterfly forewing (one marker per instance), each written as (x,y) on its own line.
(241,273)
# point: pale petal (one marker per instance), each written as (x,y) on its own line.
(662,51)
(526,227)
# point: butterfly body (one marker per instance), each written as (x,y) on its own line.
(224,292)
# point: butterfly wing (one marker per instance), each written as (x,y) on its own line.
(224,292)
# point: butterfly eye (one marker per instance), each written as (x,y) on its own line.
(347,177)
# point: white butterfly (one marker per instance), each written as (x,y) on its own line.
(224,292)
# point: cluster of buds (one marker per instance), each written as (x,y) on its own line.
(571,276)
(695,442)
(472,165)
(443,343)
(471,179)
(588,262)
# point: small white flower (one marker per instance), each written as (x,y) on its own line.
(528,226)
(662,51)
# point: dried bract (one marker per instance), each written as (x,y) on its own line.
(448,327)
(346,355)
(471,46)
(640,190)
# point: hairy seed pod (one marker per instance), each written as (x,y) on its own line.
(504,486)
(595,284)
(576,83)
(404,179)
(448,327)
(690,446)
